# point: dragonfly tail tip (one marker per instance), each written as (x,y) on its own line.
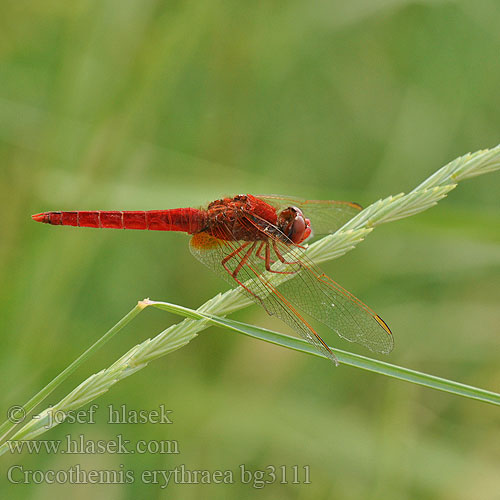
(38,217)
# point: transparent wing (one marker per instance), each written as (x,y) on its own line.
(226,258)
(318,295)
(257,266)
(326,215)
(321,297)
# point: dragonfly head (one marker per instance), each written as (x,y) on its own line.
(294,225)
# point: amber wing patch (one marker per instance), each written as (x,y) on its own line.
(204,240)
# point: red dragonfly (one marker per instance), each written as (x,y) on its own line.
(255,243)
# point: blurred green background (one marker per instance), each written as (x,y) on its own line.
(149,104)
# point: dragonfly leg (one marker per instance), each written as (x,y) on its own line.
(280,257)
(243,261)
(232,254)
(269,261)
(237,269)
(259,250)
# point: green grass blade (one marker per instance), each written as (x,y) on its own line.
(344,357)
(8,426)
(424,196)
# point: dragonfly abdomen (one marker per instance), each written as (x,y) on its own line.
(189,220)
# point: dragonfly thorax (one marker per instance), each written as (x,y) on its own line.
(248,218)
(242,217)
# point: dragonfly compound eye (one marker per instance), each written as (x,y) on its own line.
(298,227)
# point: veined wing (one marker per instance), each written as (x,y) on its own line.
(324,299)
(326,215)
(313,292)
(243,264)
(242,258)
